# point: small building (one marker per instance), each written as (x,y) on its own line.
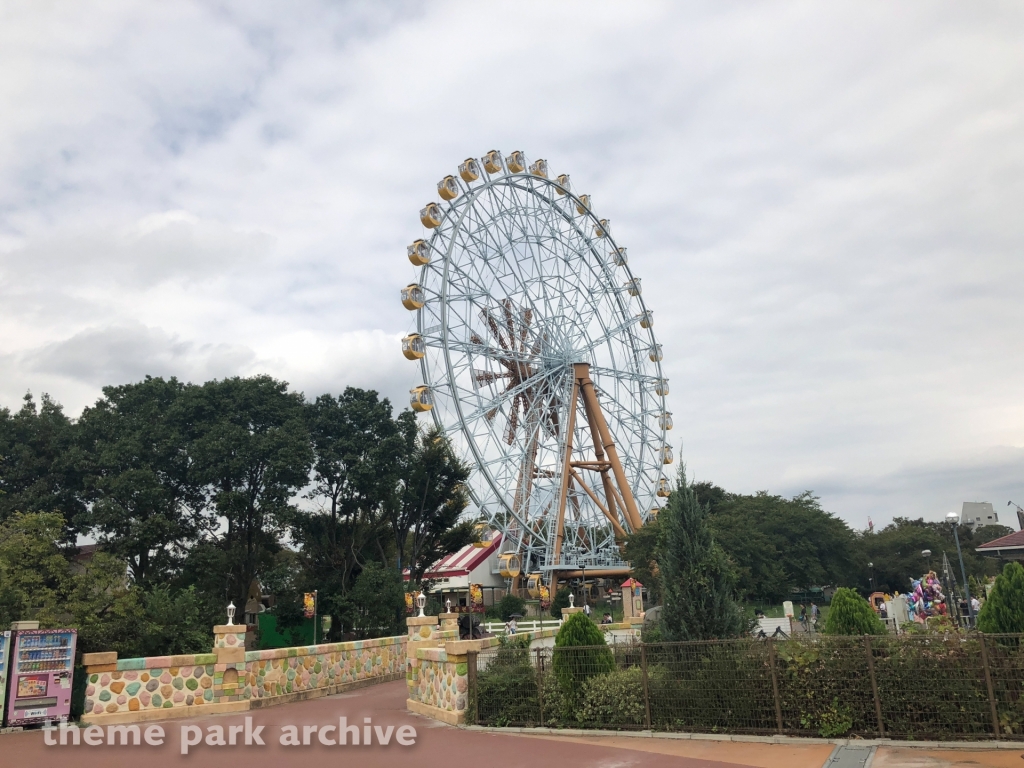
(476,563)
(1006,548)
(976,514)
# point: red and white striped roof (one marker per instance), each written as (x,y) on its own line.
(461,563)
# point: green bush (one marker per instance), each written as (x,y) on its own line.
(851,614)
(510,604)
(614,699)
(580,653)
(507,688)
(561,601)
(1003,611)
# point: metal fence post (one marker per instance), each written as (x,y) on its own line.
(540,687)
(471,679)
(991,690)
(874,684)
(775,684)
(647,689)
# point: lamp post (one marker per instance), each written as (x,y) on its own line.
(231,613)
(871,578)
(954,519)
(927,555)
(421,603)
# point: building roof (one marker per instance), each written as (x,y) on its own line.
(1013,542)
(464,561)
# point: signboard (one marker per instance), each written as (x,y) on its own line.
(309,605)
(476,598)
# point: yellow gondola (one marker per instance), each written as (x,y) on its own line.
(632,286)
(620,257)
(664,488)
(430,215)
(666,454)
(661,388)
(646,318)
(413,346)
(583,205)
(665,420)
(653,514)
(509,565)
(539,168)
(448,188)
(533,584)
(419,253)
(601,230)
(563,184)
(469,170)
(654,353)
(412,296)
(421,399)
(492,161)
(515,162)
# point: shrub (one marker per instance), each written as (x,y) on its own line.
(510,604)
(850,614)
(580,653)
(614,699)
(1003,611)
(561,601)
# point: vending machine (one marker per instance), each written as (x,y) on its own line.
(42,665)
(5,652)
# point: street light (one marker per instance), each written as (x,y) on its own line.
(927,555)
(871,568)
(953,519)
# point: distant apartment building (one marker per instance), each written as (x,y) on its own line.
(975,514)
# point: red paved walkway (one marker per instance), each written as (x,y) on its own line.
(436,745)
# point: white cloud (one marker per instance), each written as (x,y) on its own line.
(821,199)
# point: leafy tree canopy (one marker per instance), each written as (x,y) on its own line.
(1003,611)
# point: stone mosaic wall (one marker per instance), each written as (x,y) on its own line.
(165,682)
(160,682)
(290,670)
(438,680)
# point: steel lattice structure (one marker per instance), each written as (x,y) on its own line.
(523,293)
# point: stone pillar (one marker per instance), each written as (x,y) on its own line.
(423,633)
(449,626)
(229,674)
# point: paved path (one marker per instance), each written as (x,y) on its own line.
(441,746)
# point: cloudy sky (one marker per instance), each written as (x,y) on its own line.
(824,201)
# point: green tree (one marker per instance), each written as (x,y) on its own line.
(147,506)
(359,456)
(434,496)
(561,601)
(38,471)
(379,598)
(851,614)
(1003,611)
(696,579)
(252,453)
(777,545)
(641,551)
(510,604)
(34,573)
(896,550)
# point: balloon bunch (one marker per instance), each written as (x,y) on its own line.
(926,598)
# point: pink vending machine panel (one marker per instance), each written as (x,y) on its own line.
(42,664)
(5,650)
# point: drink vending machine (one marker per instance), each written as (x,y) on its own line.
(5,651)
(42,666)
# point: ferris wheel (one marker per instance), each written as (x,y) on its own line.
(540,364)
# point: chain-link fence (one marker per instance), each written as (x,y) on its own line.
(962,686)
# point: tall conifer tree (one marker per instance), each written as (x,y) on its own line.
(697,582)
